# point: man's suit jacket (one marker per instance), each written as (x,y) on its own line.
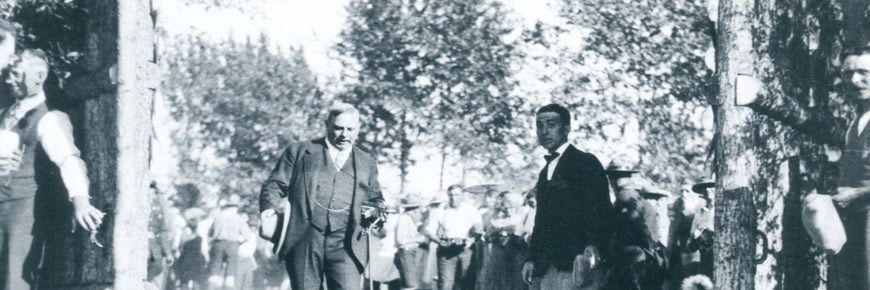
(293,178)
(574,211)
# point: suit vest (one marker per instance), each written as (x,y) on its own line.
(855,161)
(21,183)
(333,195)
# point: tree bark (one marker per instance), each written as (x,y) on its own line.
(113,132)
(736,164)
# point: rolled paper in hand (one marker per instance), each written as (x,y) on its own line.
(8,142)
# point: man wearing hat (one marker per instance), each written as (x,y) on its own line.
(622,176)
(412,244)
(228,231)
(692,234)
(326,181)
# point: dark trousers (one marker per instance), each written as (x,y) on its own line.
(454,264)
(410,263)
(318,256)
(850,269)
(16,224)
(223,252)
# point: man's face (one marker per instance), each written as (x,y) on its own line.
(343,130)
(551,131)
(7,48)
(856,77)
(26,77)
(456,197)
(628,205)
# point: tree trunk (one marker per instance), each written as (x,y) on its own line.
(793,47)
(736,163)
(113,130)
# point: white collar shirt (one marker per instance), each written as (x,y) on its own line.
(339,157)
(55,133)
(552,166)
(862,122)
(454,223)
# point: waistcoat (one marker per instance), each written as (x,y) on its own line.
(21,183)
(333,195)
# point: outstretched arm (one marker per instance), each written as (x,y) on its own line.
(55,133)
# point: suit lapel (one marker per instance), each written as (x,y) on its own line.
(314,155)
(354,166)
(563,162)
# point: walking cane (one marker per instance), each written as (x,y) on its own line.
(369,252)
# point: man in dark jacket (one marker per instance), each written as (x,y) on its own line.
(326,181)
(573,205)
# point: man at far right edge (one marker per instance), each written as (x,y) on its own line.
(574,209)
(849,269)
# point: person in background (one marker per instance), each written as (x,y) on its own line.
(430,271)
(850,269)
(637,260)
(455,228)
(574,210)
(692,233)
(507,232)
(43,180)
(247,264)
(412,244)
(228,231)
(190,266)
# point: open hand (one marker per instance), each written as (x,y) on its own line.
(845,196)
(87,215)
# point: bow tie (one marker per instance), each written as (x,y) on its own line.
(551,157)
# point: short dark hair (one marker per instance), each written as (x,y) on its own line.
(859,50)
(558,109)
(455,186)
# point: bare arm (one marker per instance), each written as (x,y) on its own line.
(847,196)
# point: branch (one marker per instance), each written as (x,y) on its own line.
(819,126)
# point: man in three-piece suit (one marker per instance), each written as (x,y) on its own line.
(326,181)
(574,206)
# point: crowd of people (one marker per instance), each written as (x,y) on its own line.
(218,249)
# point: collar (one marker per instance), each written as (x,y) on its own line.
(561,149)
(333,151)
(28,104)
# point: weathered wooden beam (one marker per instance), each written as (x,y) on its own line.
(750,92)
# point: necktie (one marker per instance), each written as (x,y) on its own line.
(551,157)
(339,160)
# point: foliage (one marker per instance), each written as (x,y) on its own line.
(633,74)
(431,73)
(56,27)
(238,106)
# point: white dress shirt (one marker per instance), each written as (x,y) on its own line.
(55,133)
(552,167)
(862,122)
(453,223)
(338,156)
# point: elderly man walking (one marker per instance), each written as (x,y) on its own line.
(326,181)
